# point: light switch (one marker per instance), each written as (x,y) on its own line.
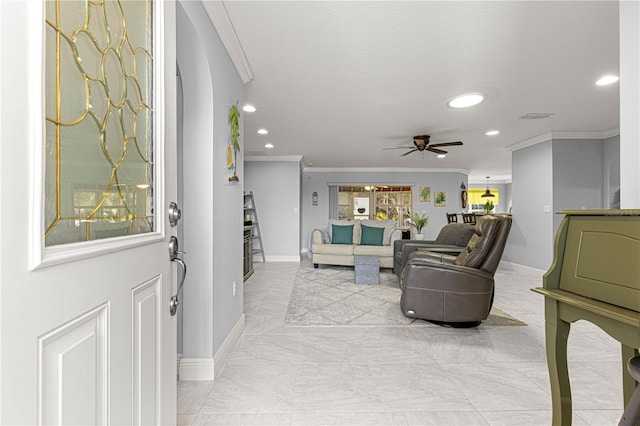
(546,209)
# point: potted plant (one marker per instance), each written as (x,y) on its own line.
(419,222)
(488,207)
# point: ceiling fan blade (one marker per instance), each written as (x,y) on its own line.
(398,147)
(436,150)
(446,144)
(409,152)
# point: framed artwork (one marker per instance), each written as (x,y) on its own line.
(440,199)
(425,194)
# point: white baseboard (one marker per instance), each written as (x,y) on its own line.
(196,369)
(519,267)
(282,258)
(222,355)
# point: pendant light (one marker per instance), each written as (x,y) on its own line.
(487,193)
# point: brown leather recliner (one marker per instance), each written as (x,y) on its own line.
(451,239)
(456,291)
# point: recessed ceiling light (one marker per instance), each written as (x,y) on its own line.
(263,131)
(441,155)
(607,79)
(492,132)
(249,108)
(467,100)
(268,145)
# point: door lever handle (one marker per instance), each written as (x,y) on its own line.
(175,302)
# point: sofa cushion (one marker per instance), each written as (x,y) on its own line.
(356,228)
(371,235)
(388,225)
(333,249)
(342,234)
(380,251)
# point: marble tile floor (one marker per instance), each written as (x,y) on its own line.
(401,375)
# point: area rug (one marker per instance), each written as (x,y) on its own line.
(328,296)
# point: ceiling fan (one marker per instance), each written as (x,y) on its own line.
(422,144)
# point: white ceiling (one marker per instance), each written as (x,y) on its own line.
(339,81)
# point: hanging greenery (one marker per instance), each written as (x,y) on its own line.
(234,124)
(234,145)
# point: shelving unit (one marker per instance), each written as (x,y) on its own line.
(252,213)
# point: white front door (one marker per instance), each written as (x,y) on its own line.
(86,336)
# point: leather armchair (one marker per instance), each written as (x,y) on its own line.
(451,239)
(456,290)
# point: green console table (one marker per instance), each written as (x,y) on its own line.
(595,276)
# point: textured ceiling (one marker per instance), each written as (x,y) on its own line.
(339,81)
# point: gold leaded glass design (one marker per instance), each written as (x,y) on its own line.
(99,119)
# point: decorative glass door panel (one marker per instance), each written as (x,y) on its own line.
(99,141)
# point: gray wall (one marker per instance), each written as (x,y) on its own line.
(611,172)
(563,174)
(318,216)
(577,176)
(212,211)
(530,240)
(276,190)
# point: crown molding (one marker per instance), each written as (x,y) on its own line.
(295,158)
(562,135)
(611,133)
(224,27)
(380,170)
(492,182)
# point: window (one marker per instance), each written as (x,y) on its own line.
(376,202)
(99,107)
(477,202)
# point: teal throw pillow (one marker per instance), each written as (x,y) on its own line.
(371,236)
(341,234)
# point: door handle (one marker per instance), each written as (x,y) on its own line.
(174,302)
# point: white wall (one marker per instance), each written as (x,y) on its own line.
(276,191)
(212,211)
(318,180)
(629,104)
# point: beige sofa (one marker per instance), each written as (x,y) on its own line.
(344,254)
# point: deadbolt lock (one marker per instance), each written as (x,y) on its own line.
(174,214)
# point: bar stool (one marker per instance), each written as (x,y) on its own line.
(631,415)
(452,217)
(469,218)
